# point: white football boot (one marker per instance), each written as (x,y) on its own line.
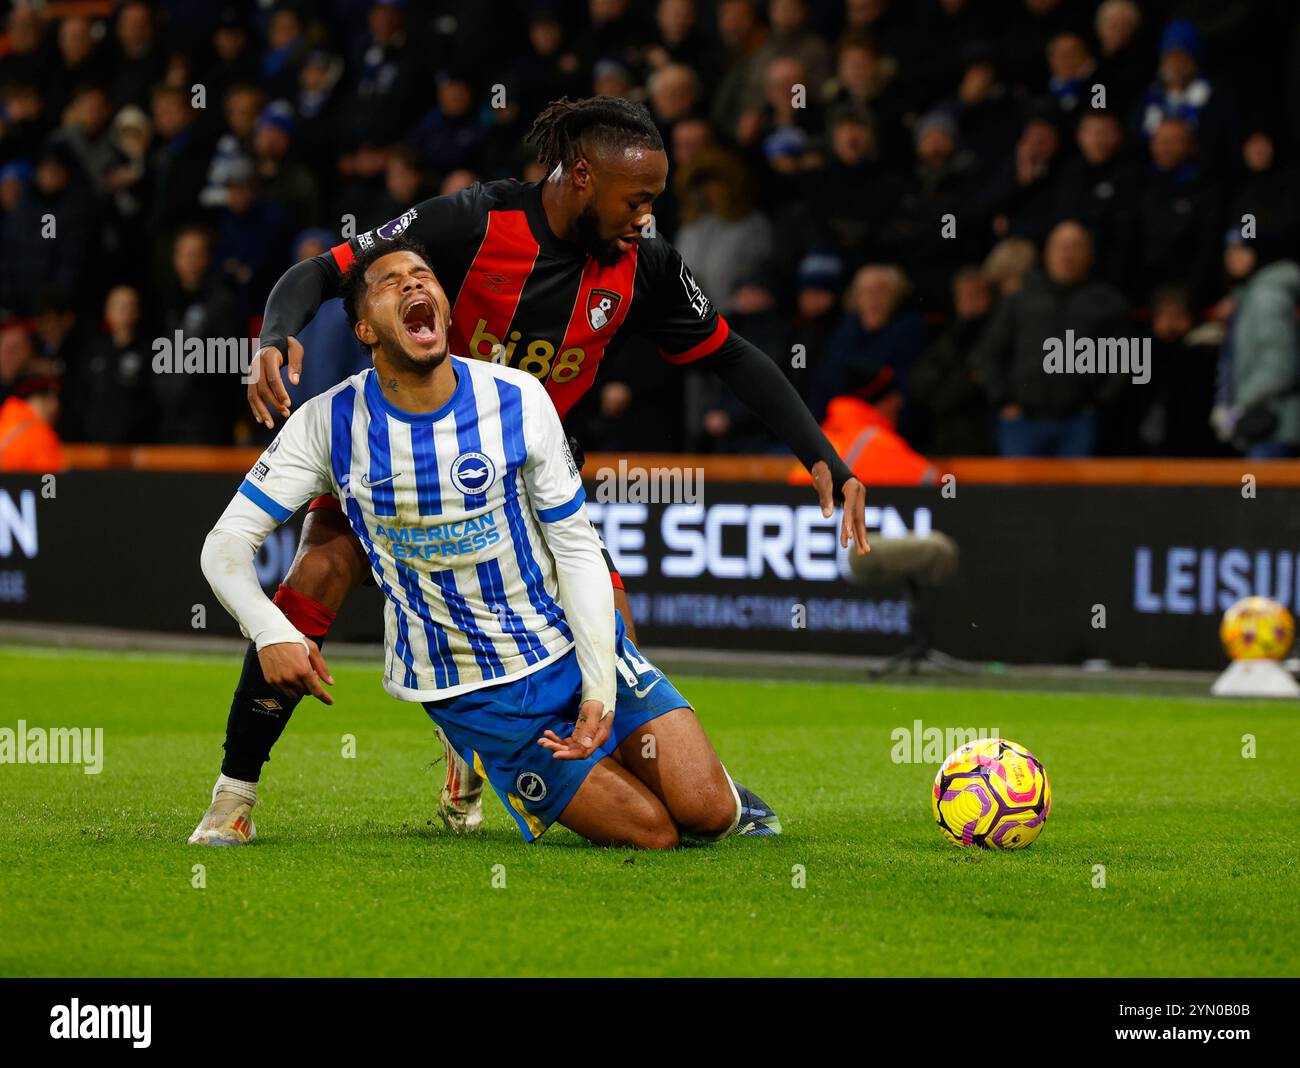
(229,819)
(461,805)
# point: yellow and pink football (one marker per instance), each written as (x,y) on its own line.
(991,793)
(1257,628)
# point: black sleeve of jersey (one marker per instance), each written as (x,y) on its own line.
(756,379)
(437,224)
(680,319)
(296,297)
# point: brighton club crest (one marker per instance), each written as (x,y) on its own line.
(601,305)
(472,473)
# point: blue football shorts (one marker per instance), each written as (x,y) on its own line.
(495,729)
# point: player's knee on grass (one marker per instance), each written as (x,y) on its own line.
(330,562)
(660,834)
(708,813)
(645,826)
(655,830)
(612,808)
(683,771)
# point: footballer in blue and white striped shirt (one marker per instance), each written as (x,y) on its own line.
(499,616)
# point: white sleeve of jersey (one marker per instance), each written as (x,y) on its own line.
(293,469)
(296,466)
(557,497)
(554,482)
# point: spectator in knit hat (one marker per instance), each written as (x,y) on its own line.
(285,179)
(253,237)
(48,234)
(1182,91)
(819,282)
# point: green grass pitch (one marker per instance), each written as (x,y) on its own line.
(349,876)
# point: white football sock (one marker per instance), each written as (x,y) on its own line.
(246,790)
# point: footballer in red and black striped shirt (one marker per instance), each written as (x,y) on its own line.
(545,277)
(527,298)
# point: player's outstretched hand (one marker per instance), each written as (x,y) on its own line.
(589,734)
(855,506)
(295,671)
(266,392)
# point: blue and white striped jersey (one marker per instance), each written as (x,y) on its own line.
(448,506)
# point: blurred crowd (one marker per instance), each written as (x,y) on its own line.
(911,194)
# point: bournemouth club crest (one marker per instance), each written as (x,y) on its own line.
(601,306)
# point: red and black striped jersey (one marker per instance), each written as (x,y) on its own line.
(522,296)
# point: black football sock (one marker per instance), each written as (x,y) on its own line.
(259,713)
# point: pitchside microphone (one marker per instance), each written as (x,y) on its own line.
(926,559)
(915,561)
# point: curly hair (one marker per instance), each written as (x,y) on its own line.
(352,287)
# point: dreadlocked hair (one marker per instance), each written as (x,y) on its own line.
(604,122)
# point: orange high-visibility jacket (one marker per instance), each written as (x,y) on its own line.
(27,442)
(875,452)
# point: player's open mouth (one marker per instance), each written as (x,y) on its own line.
(419,320)
(626,242)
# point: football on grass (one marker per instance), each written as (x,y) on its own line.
(991,793)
